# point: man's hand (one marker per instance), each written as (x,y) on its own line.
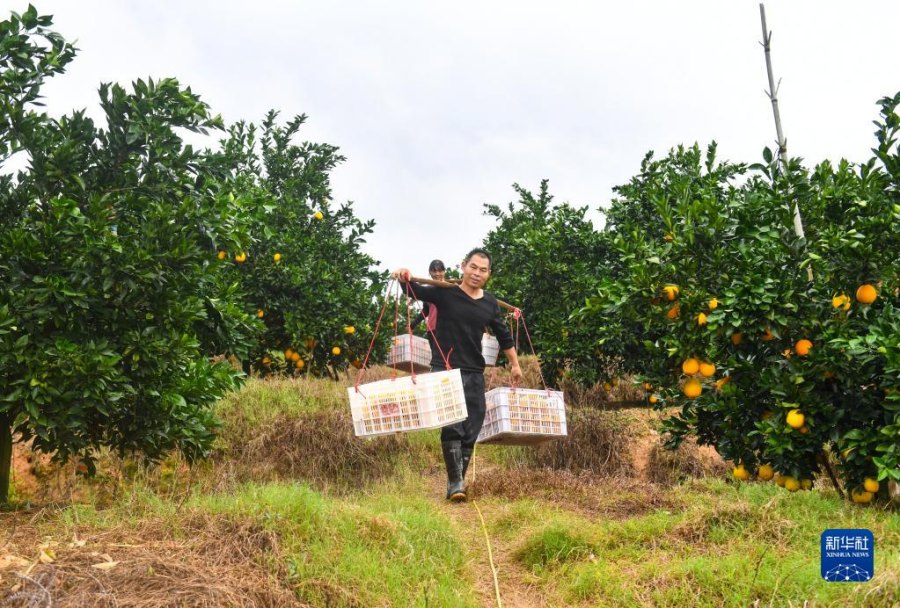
(402,274)
(516,373)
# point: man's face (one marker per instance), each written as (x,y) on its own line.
(476,271)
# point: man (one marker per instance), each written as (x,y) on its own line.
(465,310)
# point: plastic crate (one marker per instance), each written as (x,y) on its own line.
(408,349)
(490,348)
(523,416)
(408,403)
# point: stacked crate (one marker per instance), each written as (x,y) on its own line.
(410,351)
(490,348)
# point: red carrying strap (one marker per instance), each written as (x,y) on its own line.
(362,370)
(394,288)
(520,319)
(514,316)
(412,368)
(446,358)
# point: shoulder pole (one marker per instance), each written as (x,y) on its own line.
(445,284)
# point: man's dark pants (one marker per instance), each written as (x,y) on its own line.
(466,432)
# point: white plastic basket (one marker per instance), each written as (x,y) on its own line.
(408,349)
(490,348)
(408,403)
(523,416)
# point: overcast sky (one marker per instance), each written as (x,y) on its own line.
(440,107)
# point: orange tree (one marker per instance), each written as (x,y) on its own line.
(712,303)
(304,275)
(546,259)
(109,294)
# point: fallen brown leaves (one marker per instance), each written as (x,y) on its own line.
(206,561)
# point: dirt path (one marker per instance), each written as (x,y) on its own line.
(518,587)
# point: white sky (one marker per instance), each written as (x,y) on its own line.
(440,107)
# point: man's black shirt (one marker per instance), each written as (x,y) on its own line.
(460,325)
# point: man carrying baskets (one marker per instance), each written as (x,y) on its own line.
(465,310)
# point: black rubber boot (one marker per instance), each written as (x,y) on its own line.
(466,457)
(453,459)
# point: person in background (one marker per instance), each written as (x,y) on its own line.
(436,270)
(465,310)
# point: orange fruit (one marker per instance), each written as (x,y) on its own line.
(692,388)
(741,473)
(779,480)
(713,303)
(295,356)
(222,254)
(806,484)
(653,399)
(707,369)
(690,366)
(607,386)
(299,363)
(802,347)
(737,338)
(240,258)
(674,312)
(701,319)
(795,419)
(349,329)
(871,485)
(841,301)
(804,430)
(866,294)
(768,336)
(647,386)
(671,292)
(765,472)
(318,215)
(260,313)
(861,498)
(277,257)
(791,484)
(335,350)
(266,360)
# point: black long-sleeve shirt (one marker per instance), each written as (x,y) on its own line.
(460,325)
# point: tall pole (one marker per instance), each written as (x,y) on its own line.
(781,141)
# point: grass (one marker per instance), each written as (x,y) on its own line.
(730,546)
(295,511)
(384,549)
(389,547)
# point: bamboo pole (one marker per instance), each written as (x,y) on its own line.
(445,284)
(772,93)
